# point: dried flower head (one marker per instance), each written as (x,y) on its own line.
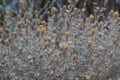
(14,33)
(46,39)
(75,57)
(100,69)
(92,75)
(118,18)
(67,34)
(48,12)
(110,54)
(83,9)
(54,9)
(43,22)
(75,9)
(6,42)
(76,35)
(93,31)
(64,6)
(46,44)
(21,1)
(101,23)
(1,30)
(92,59)
(91,18)
(90,43)
(38,30)
(111,12)
(116,13)
(41,55)
(66,46)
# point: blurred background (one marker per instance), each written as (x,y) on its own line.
(109,4)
